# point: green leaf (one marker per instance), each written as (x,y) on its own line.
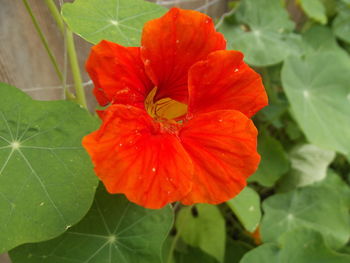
(262,48)
(314,207)
(330,6)
(230,32)
(309,165)
(114,230)
(301,246)
(346,2)
(335,184)
(267,14)
(320,39)
(265,38)
(204,229)
(47,182)
(235,250)
(341,25)
(120,21)
(193,254)
(246,206)
(315,9)
(274,161)
(319,94)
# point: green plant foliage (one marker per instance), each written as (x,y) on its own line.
(321,39)
(246,206)
(120,21)
(313,207)
(294,209)
(264,14)
(301,245)
(114,230)
(264,37)
(315,10)
(319,94)
(193,254)
(336,185)
(274,161)
(235,250)
(46,178)
(309,164)
(190,224)
(341,25)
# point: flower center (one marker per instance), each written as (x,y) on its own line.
(164,109)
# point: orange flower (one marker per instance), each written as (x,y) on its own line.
(178,127)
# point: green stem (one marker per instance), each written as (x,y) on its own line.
(73,58)
(268,86)
(56,15)
(177,236)
(43,40)
(306,26)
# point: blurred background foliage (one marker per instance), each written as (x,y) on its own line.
(296,207)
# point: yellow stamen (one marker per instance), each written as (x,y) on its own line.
(165,108)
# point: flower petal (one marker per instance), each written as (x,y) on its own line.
(133,156)
(118,74)
(222,145)
(172,44)
(225,82)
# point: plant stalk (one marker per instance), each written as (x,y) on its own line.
(43,40)
(176,238)
(73,58)
(268,87)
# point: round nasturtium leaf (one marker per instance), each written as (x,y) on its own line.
(274,161)
(319,94)
(341,25)
(193,254)
(314,9)
(120,21)
(309,164)
(321,39)
(235,250)
(301,246)
(203,227)
(246,206)
(114,230)
(265,39)
(262,47)
(47,182)
(314,207)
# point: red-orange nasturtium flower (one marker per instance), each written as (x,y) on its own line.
(178,127)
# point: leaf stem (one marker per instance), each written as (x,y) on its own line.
(43,40)
(56,15)
(73,58)
(176,238)
(268,86)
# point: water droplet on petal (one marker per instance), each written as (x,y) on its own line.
(189,116)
